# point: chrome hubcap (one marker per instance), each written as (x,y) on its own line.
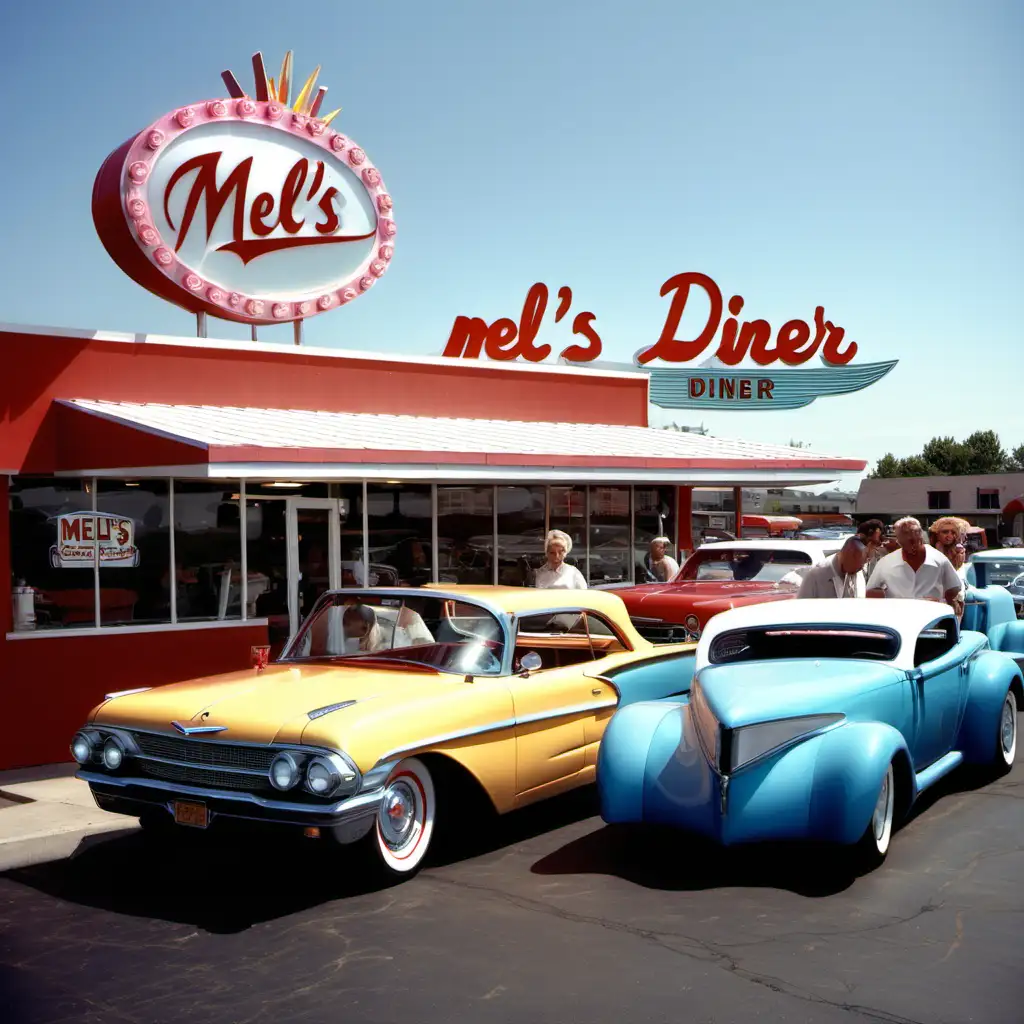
(397,815)
(1008,727)
(881,815)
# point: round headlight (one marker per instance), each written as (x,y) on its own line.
(113,753)
(322,777)
(692,623)
(284,771)
(81,748)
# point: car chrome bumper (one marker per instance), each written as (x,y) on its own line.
(133,795)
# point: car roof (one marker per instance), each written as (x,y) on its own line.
(520,600)
(814,548)
(904,616)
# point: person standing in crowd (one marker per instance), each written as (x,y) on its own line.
(914,570)
(661,565)
(839,576)
(556,573)
(870,534)
(949,535)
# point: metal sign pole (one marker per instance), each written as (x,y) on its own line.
(253,333)
(297,325)
(200,325)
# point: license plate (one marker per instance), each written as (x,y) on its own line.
(194,815)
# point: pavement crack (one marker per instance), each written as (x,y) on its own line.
(693,948)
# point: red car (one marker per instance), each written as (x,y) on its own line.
(717,577)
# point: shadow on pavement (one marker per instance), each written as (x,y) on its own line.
(229,881)
(220,883)
(658,857)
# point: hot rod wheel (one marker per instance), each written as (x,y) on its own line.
(872,847)
(1006,737)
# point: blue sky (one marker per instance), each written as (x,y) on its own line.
(866,157)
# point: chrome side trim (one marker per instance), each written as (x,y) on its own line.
(197,730)
(644,618)
(508,723)
(126,693)
(350,806)
(573,709)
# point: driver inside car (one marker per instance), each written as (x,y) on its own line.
(362,633)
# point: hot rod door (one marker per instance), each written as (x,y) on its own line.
(939,680)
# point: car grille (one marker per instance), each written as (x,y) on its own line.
(663,633)
(202,763)
(202,752)
(207,777)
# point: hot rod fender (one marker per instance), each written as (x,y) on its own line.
(623,754)
(1007,636)
(823,788)
(992,674)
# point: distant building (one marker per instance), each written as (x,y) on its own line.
(992,500)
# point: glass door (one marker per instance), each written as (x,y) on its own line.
(314,559)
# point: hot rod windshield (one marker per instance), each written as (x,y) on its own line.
(436,632)
(773,643)
(758,565)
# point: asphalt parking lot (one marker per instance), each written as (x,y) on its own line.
(553,917)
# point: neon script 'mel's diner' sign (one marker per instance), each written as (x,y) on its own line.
(794,344)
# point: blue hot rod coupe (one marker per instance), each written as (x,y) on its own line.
(813,720)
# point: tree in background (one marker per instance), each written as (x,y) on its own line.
(945,456)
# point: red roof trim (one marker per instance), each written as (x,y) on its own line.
(252,453)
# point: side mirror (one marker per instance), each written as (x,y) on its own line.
(530,662)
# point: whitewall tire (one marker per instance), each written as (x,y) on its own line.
(1006,738)
(405,822)
(874,844)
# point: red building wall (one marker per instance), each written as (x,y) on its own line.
(41,368)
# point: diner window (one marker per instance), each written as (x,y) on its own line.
(266,542)
(938,500)
(988,497)
(611,549)
(400,527)
(653,516)
(568,513)
(521,531)
(133,525)
(53,553)
(208,551)
(350,513)
(465,534)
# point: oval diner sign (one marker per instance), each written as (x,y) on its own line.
(246,210)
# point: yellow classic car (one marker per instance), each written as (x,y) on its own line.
(387,705)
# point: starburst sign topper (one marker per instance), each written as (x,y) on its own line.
(247,208)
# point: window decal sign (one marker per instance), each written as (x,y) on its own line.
(247,208)
(83,535)
(723,343)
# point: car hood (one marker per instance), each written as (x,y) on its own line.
(761,691)
(697,594)
(274,705)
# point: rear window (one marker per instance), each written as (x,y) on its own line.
(774,643)
(759,565)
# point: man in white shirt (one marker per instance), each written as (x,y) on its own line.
(914,570)
(838,576)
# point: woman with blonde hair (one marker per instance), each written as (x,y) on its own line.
(556,573)
(949,535)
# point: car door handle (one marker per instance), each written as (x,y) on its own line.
(597,691)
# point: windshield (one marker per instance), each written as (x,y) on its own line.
(1000,574)
(757,565)
(437,632)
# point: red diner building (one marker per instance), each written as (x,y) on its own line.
(174,502)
